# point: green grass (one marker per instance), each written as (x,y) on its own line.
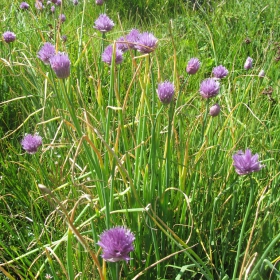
(113,155)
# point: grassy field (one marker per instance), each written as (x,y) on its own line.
(113,154)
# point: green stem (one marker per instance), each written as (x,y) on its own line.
(243,228)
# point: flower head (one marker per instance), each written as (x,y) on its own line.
(99,2)
(146,42)
(62,18)
(108,54)
(46,52)
(116,244)
(31,143)
(262,74)
(60,63)
(165,92)
(193,65)
(75,2)
(132,38)
(58,2)
(214,110)
(246,163)
(24,6)
(209,88)
(9,36)
(104,23)
(248,63)
(121,44)
(220,72)
(39,5)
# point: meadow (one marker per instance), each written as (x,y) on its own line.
(126,155)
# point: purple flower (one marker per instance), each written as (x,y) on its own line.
(248,63)
(62,18)
(31,143)
(108,53)
(52,9)
(220,72)
(39,5)
(46,52)
(58,2)
(104,23)
(116,243)
(9,36)
(165,92)
(75,2)
(60,64)
(99,2)
(132,38)
(24,6)
(54,1)
(209,88)
(64,38)
(215,110)
(121,44)
(193,65)
(262,74)
(246,163)
(146,43)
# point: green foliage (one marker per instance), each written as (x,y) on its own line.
(113,155)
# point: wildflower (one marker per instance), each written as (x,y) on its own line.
(46,52)
(39,5)
(99,2)
(215,110)
(209,88)
(146,42)
(108,53)
(75,2)
(262,74)
(104,23)
(193,65)
(60,63)
(52,9)
(58,2)
(24,6)
(132,38)
(64,38)
(116,244)
(246,163)
(62,18)
(121,44)
(48,276)
(31,143)
(220,72)
(9,36)
(165,92)
(248,63)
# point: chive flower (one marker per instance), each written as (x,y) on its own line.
(46,52)
(261,74)
(146,42)
(99,2)
(132,38)
(75,2)
(209,88)
(24,6)
(104,23)
(193,66)
(121,44)
(214,110)
(62,18)
(220,72)
(246,163)
(248,63)
(9,36)
(108,54)
(60,64)
(31,143)
(165,92)
(58,2)
(52,9)
(39,5)
(116,243)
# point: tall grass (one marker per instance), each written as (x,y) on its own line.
(113,155)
